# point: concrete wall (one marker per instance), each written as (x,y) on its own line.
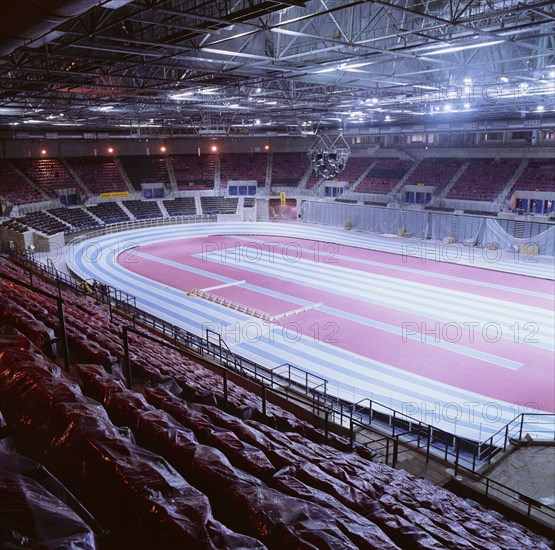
(32,148)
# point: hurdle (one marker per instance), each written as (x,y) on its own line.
(236,306)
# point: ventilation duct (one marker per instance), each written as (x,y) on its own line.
(24,20)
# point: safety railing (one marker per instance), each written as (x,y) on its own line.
(111,296)
(301,379)
(398,429)
(368,414)
(523,504)
(139,224)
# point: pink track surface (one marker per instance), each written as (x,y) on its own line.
(531,384)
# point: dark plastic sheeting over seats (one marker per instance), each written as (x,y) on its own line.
(35,510)
(121,483)
(181,472)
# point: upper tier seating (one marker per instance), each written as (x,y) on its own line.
(181,206)
(141,169)
(240,166)
(14,188)
(44,222)
(109,212)
(219,205)
(483,179)
(143,209)
(248,202)
(76,217)
(312,180)
(161,466)
(99,174)
(437,172)
(49,174)
(539,175)
(355,167)
(193,172)
(288,169)
(384,176)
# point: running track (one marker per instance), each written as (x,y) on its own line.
(465,345)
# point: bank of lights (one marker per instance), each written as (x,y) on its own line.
(329,158)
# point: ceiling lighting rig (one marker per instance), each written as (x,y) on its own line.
(329,158)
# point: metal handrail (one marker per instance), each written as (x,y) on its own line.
(389,443)
(480,452)
(118,227)
(490,485)
(426,435)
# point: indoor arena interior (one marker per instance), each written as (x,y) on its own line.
(277,274)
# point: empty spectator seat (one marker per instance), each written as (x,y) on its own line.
(181,206)
(539,175)
(312,180)
(78,218)
(143,169)
(194,172)
(143,209)
(49,174)
(163,464)
(43,222)
(109,212)
(242,167)
(483,179)
(384,176)
(219,205)
(354,168)
(437,172)
(15,188)
(99,174)
(37,509)
(288,169)
(15,225)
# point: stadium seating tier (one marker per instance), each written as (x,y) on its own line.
(179,471)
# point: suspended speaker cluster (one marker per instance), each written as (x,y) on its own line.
(329,158)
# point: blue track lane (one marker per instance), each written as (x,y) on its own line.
(350,376)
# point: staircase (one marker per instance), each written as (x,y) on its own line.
(162,206)
(126,210)
(402,181)
(318,185)
(171,174)
(124,176)
(304,179)
(454,179)
(217,174)
(240,204)
(15,168)
(512,180)
(406,155)
(99,220)
(198,205)
(269,166)
(361,178)
(74,175)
